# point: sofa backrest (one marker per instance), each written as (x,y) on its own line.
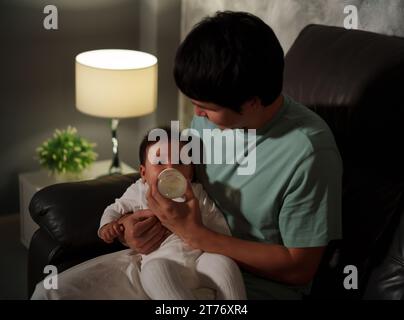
(355,81)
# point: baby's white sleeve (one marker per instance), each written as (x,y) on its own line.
(129,202)
(212,217)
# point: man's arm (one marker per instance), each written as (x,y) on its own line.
(295,266)
(143,232)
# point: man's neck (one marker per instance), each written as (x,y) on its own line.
(266,114)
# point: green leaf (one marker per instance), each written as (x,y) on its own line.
(66,151)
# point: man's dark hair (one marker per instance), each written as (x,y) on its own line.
(228,59)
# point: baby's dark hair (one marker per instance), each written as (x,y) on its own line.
(146,143)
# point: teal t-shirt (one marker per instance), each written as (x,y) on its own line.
(294,196)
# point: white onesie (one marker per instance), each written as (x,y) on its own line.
(175,250)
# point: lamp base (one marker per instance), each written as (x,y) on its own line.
(115,169)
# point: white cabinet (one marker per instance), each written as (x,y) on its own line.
(31,182)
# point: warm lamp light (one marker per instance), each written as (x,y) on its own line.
(116,84)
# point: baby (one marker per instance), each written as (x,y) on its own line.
(175,269)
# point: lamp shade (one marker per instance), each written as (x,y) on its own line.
(114,83)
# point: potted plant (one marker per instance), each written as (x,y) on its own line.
(66,154)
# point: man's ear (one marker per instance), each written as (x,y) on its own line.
(143,172)
(253,104)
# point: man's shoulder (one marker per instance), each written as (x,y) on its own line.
(304,128)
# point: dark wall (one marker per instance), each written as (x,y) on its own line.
(37,80)
(289,17)
(168,39)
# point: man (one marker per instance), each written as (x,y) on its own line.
(284,214)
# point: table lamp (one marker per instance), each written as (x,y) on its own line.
(116,84)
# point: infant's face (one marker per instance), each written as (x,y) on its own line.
(149,172)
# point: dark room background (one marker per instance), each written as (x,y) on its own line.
(37,65)
(37,76)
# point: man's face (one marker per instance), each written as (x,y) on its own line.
(224,118)
(149,172)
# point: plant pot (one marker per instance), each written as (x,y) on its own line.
(67,176)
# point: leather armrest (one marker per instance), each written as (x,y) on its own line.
(44,251)
(41,251)
(387,279)
(70,212)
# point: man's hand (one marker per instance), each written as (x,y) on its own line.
(111,231)
(182,218)
(143,231)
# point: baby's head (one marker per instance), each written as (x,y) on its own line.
(149,171)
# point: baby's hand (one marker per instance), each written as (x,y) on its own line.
(111,231)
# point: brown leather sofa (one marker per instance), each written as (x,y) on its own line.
(355,81)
